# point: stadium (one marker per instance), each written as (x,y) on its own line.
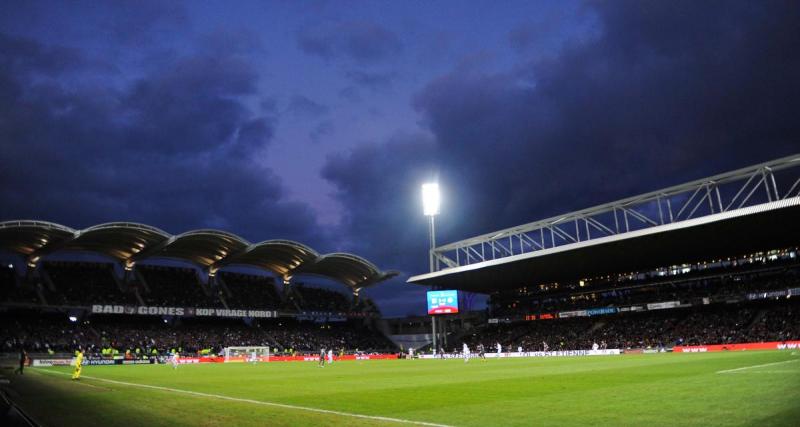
(601,304)
(371,213)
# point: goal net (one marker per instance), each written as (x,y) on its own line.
(251,354)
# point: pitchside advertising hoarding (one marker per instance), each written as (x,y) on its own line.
(442,302)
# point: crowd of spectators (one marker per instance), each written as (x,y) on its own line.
(716,288)
(12,290)
(310,336)
(83,283)
(319,299)
(250,291)
(87,283)
(174,286)
(721,324)
(780,324)
(142,335)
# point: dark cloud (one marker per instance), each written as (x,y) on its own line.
(122,23)
(321,131)
(666,92)
(544,33)
(362,42)
(178,148)
(226,42)
(350,93)
(371,80)
(30,59)
(303,106)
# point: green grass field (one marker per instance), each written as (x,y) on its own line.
(659,389)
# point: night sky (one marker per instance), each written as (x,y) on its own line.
(318,121)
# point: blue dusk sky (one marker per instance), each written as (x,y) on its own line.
(317,121)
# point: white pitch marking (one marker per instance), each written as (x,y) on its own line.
(756,366)
(73,382)
(260,402)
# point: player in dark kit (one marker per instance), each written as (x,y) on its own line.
(481,352)
(23,357)
(322,357)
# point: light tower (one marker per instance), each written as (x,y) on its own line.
(431,200)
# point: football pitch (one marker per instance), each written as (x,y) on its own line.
(742,388)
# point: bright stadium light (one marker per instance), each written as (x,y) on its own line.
(73,319)
(430,199)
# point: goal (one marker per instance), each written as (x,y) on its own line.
(251,354)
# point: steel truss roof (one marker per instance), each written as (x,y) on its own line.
(757,198)
(129,242)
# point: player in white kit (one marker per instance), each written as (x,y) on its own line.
(330,356)
(499,349)
(173,358)
(465,351)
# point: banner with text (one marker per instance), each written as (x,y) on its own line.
(180,311)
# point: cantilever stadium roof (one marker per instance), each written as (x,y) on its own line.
(774,226)
(731,214)
(210,249)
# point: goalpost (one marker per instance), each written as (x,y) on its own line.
(252,354)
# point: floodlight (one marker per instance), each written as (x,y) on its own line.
(430,199)
(73,319)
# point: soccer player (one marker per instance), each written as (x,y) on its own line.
(499,349)
(481,351)
(76,373)
(330,356)
(173,358)
(545,347)
(322,357)
(253,357)
(465,352)
(23,357)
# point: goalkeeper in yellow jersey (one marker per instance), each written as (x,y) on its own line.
(76,373)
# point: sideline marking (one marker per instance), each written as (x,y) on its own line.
(756,366)
(260,402)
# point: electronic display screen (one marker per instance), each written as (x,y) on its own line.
(442,302)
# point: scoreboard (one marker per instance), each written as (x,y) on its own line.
(442,302)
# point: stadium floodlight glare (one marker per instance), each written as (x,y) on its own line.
(430,207)
(73,319)
(430,199)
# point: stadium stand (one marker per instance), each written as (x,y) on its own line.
(718,284)
(726,307)
(14,290)
(85,283)
(755,322)
(246,291)
(174,286)
(746,300)
(318,299)
(126,334)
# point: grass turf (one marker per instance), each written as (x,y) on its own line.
(658,389)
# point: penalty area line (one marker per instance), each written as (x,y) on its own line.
(756,366)
(261,402)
